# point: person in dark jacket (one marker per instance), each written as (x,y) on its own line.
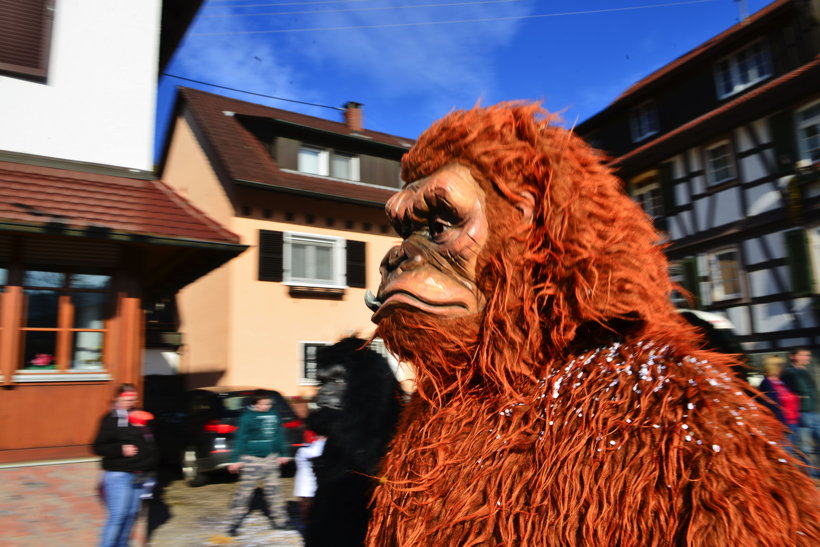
(260,447)
(359,403)
(799,379)
(129,457)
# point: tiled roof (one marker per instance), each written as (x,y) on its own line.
(700,50)
(806,77)
(244,159)
(38,196)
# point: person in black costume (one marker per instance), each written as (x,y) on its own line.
(359,403)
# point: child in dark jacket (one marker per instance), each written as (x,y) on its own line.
(259,449)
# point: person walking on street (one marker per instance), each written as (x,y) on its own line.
(784,404)
(129,456)
(798,378)
(259,449)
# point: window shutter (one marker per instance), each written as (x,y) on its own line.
(270,255)
(781,126)
(691,279)
(25,36)
(667,188)
(799,262)
(356,275)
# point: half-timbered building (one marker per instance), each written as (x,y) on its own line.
(721,147)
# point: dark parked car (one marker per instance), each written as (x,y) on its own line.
(211,418)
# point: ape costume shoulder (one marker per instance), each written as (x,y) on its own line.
(561,399)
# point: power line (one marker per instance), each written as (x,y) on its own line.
(210,5)
(382,8)
(461,21)
(250,92)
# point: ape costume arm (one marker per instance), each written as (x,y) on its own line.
(561,399)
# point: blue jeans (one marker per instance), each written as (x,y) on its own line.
(810,438)
(122,500)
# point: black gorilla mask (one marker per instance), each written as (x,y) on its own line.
(333,379)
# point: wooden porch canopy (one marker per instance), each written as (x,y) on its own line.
(167,241)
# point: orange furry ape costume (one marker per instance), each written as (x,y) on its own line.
(561,400)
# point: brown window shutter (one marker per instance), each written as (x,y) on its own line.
(270,255)
(356,274)
(25,36)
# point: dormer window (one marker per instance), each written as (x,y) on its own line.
(643,121)
(742,69)
(327,163)
(344,166)
(313,161)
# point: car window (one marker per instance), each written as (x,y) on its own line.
(235,403)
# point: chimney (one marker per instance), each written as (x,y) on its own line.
(353,116)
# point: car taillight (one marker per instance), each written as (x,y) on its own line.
(215,426)
(293,424)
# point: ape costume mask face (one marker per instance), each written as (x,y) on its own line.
(442,221)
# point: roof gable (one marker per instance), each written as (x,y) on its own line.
(243,158)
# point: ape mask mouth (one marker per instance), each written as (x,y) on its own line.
(399,298)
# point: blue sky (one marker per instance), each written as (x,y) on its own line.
(412,61)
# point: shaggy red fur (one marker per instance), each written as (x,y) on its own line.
(578,408)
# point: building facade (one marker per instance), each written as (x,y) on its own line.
(722,149)
(89,238)
(307,196)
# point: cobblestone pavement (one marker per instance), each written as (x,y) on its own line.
(56,504)
(195,517)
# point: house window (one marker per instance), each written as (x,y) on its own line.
(724,274)
(314,260)
(742,69)
(309,351)
(317,161)
(643,121)
(312,161)
(4,274)
(720,163)
(808,132)
(646,190)
(344,166)
(814,242)
(311,260)
(25,36)
(65,320)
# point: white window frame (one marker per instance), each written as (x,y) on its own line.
(354,165)
(338,263)
(643,121)
(805,118)
(710,171)
(716,282)
(308,369)
(322,161)
(732,66)
(814,252)
(324,158)
(675,269)
(646,190)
